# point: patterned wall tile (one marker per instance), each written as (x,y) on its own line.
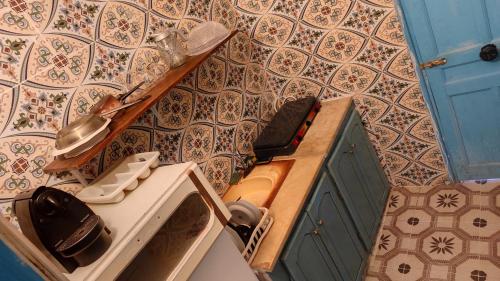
(68,57)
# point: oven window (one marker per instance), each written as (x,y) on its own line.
(165,250)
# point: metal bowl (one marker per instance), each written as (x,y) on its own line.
(79,130)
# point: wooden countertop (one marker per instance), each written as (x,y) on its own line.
(128,116)
(309,157)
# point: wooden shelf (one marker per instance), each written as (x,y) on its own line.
(130,115)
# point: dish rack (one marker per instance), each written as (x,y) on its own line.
(258,235)
(109,188)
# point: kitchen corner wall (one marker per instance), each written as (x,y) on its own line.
(57,58)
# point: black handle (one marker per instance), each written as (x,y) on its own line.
(123,97)
(489,52)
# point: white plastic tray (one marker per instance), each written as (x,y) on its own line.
(109,187)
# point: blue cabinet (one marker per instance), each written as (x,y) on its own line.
(306,258)
(335,234)
(356,171)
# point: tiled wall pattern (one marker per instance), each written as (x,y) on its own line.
(58,57)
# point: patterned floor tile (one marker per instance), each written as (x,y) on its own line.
(449,232)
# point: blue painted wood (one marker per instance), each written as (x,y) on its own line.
(353,186)
(280,273)
(369,164)
(305,257)
(336,229)
(464,94)
(12,268)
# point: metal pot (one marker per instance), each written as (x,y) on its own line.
(81,130)
(110,102)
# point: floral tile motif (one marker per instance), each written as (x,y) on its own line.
(224,12)
(319,70)
(58,61)
(109,65)
(287,62)
(255,6)
(245,134)
(39,110)
(305,38)
(224,140)
(13,50)
(129,142)
(273,30)
(22,162)
(175,109)
(240,48)
(255,78)
(229,107)
(76,16)
(211,75)
(168,144)
(289,8)
(325,13)
(376,54)
(300,88)
(340,45)
(251,108)
(364,18)
(235,76)
(122,25)
(198,142)
(218,172)
(24,17)
(391,30)
(204,109)
(171,9)
(353,78)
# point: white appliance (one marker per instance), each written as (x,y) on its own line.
(170,228)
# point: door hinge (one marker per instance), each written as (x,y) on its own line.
(433,63)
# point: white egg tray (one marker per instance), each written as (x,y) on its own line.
(110,187)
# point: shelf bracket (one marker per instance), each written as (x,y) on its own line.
(76,173)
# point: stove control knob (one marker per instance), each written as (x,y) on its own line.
(299,137)
(308,122)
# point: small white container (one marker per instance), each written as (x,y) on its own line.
(109,187)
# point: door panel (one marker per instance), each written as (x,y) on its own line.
(336,229)
(305,257)
(353,188)
(369,164)
(464,93)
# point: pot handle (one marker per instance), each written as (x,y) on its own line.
(125,106)
(127,94)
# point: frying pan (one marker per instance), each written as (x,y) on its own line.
(109,102)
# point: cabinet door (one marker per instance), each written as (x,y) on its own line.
(336,229)
(368,162)
(305,257)
(354,186)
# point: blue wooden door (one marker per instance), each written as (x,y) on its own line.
(464,93)
(336,229)
(305,256)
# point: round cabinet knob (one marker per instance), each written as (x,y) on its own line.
(316,232)
(489,52)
